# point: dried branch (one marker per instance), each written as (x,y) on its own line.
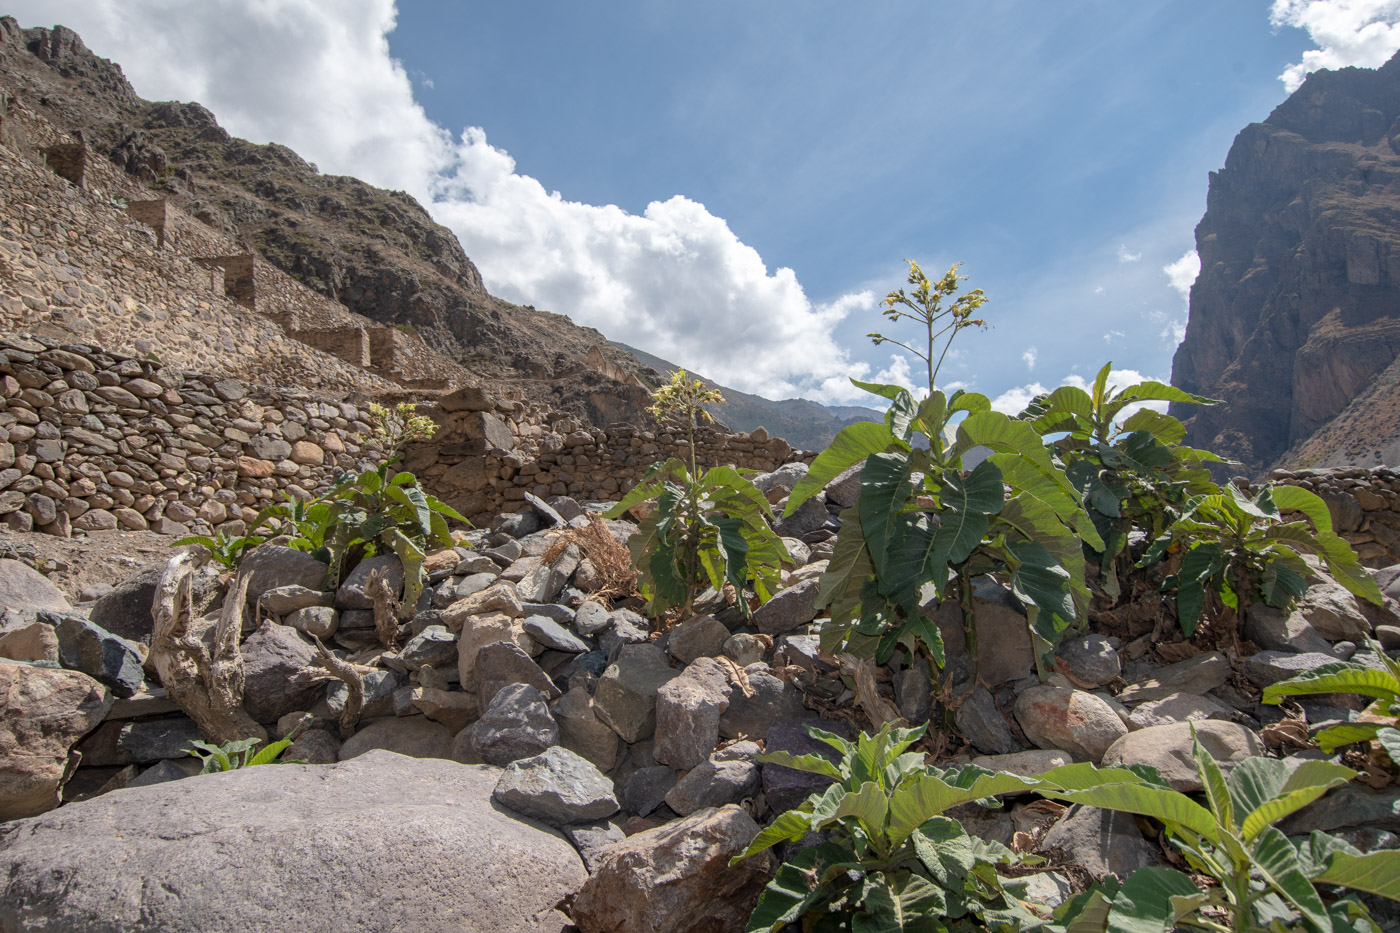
(736,675)
(877,709)
(207,686)
(386,618)
(333,668)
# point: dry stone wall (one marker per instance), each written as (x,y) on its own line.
(99,441)
(489,452)
(1364,504)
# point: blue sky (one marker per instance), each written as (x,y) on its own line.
(734,185)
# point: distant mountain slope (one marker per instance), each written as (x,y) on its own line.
(1295,317)
(800,422)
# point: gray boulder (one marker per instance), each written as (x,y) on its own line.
(517,725)
(414,736)
(788,609)
(126,610)
(271,658)
(242,855)
(108,658)
(352,595)
(270,566)
(557,787)
(26,590)
(626,695)
(688,709)
(676,878)
(46,711)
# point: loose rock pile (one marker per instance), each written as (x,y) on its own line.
(637,745)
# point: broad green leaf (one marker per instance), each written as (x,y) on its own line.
(970,402)
(924,796)
(1277,861)
(945,850)
(790,825)
(853,444)
(1082,775)
(269,752)
(886,485)
(1338,677)
(734,546)
(1040,580)
(1281,585)
(650,486)
(898,903)
(1168,806)
(1163,427)
(869,805)
(1100,393)
(1347,733)
(812,764)
(923,553)
(412,557)
(1309,781)
(847,570)
(1086,913)
(1374,872)
(1007,435)
(1146,902)
(1298,499)
(1389,739)
(1255,781)
(1216,791)
(1151,392)
(882,389)
(806,884)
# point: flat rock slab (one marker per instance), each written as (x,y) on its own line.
(236,852)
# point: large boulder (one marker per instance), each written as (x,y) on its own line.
(126,610)
(1170,749)
(26,590)
(1070,720)
(676,878)
(236,851)
(45,711)
(271,658)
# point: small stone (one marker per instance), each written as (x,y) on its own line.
(551,634)
(1332,611)
(352,593)
(626,694)
(1026,764)
(592,619)
(109,659)
(1198,675)
(557,787)
(1102,842)
(1179,707)
(282,600)
(982,724)
(1072,720)
(592,840)
(502,663)
(435,646)
(714,783)
(581,731)
(1092,660)
(516,725)
(1270,667)
(36,641)
(688,710)
(774,701)
(647,788)
(1169,749)
(700,636)
(743,649)
(788,609)
(380,687)
(319,621)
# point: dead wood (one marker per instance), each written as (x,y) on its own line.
(386,617)
(207,681)
(330,667)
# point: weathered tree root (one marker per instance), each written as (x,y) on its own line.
(329,667)
(386,616)
(206,683)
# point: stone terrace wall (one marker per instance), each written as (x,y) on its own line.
(1364,503)
(97,441)
(74,266)
(488,452)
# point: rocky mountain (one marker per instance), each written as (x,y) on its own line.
(376,252)
(802,423)
(1295,317)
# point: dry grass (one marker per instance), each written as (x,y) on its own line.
(616,577)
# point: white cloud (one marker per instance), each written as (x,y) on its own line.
(1182,273)
(1098,289)
(1028,356)
(1125,256)
(1015,399)
(1113,335)
(1364,33)
(318,77)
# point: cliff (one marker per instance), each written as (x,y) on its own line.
(1294,315)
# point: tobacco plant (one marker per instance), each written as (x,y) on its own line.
(926,517)
(1263,881)
(889,860)
(234,755)
(1235,547)
(1133,474)
(708,528)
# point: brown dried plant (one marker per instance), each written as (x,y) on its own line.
(610,558)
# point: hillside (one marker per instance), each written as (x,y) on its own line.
(1294,318)
(802,423)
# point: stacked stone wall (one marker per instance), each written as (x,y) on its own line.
(68,161)
(489,452)
(97,441)
(1364,504)
(75,267)
(152,213)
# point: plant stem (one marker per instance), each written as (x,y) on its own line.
(967,604)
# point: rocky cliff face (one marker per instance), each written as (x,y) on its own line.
(1296,312)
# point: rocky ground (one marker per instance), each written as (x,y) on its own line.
(613,758)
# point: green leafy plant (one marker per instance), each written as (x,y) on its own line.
(226,550)
(240,753)
(708,528)
(376,511)
(1383,726)
(890,859)
(1133,473)
(1232,547)
(924,519)
(1262,880)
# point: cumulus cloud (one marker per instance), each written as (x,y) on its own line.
(1365,33)
(1015,399)
(1125,256)
(1029,356)
(675,280)
(1113,335)
(1182,273)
